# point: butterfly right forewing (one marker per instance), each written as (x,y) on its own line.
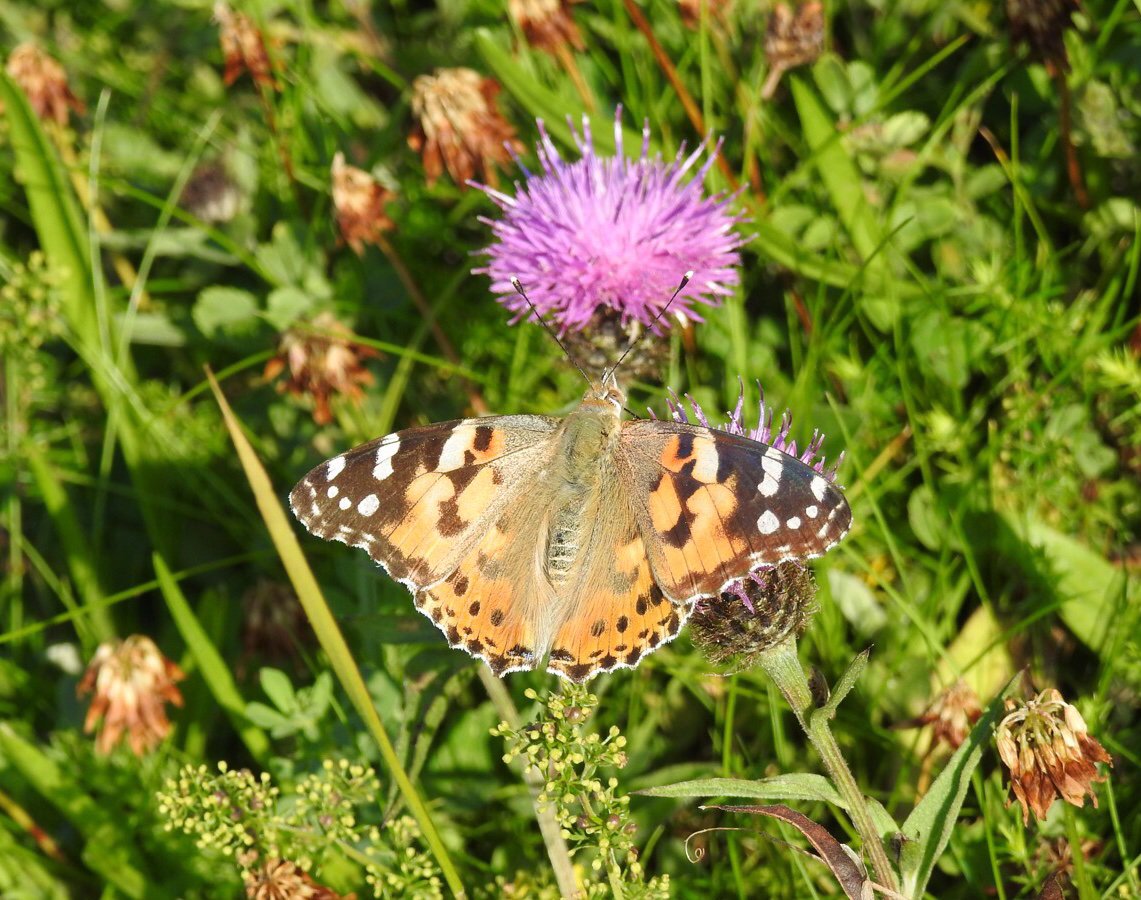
(713,506)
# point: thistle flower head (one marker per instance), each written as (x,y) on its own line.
(1050,753)
(132,682)
(609,233)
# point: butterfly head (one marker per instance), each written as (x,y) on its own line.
(606,393)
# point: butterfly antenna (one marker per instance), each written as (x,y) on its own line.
(518,285)
(661,312)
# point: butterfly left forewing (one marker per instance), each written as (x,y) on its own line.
(713,506)
(416,500)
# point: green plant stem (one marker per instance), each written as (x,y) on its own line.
(784,669)
(556,845)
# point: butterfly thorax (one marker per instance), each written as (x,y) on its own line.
(587,438)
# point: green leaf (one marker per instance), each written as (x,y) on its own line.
(799,786)
(928,828)
(279,689)
(225,310)
(845,186)
(1095,596)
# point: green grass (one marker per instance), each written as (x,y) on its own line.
(920,280)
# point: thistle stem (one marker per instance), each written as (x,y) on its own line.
(784,669)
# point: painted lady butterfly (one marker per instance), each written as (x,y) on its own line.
(583,542)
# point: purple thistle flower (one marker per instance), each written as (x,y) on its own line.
(612,234)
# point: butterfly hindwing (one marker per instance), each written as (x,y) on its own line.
(713,506)
(416,500)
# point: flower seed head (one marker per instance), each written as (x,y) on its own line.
(792,39)
(547,24)
(359,201)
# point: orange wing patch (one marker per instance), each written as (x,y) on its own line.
(690,508)
(618,615)
(482,606)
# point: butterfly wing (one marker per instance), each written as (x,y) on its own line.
(417,501)
(713,506)
(611,612)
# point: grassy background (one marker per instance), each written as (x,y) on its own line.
(920,281)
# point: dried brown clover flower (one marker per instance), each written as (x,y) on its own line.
(952,713)
(44,82)
(132,682)
(280,879)
(792,39)
(1042,24)
(322,360)
(1048,749)
(359,201)
(547,24)
(243,48)
(458,125)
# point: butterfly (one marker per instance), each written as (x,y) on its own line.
(582,542)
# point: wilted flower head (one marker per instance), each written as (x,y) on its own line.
(211,194)
(953,713)
(612,234)
(243,48)
(44,82)
(359,201)
(132,681)
(547,24)
(1048,749)
(1042,24)
(280,879)
(273,623)
(322,361)
(792,39)
(458,125)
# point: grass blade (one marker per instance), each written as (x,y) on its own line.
(328,632)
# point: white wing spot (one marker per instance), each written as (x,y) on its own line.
(812,511)
(455,448)
(794,522)
(818,486)
(384,453)
(345,503)
(334,467)
(768,522)
(369,505)
(333,491)
(773,467)
(824,529)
